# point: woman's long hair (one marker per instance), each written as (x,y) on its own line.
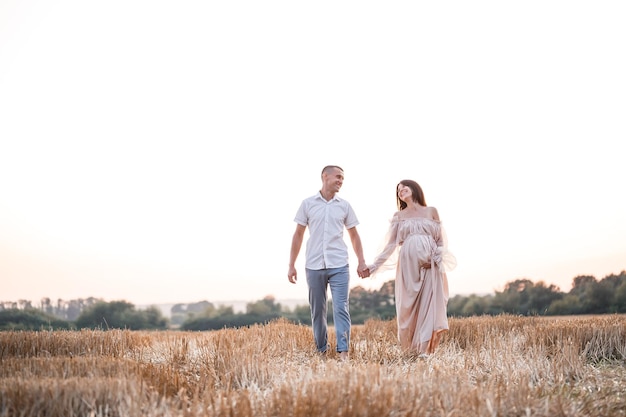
(416,191)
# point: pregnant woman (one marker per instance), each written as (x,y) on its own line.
(416,245)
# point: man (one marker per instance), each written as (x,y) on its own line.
(326,215)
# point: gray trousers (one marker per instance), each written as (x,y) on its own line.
(339,281)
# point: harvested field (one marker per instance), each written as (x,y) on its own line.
(486,366)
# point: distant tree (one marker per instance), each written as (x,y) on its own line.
(8,305)
(120,315)
(74,308)
(541,296)
(514,298)
(302,314)
(46,306)
(456,304)
(361,299)
(178,309)
(257,312)
(71,309)
(476,305)
(600,297)
(568,304)
(200,307)
(613,283)
(224,311)
(152,319)
(265,307)
(199,323)
(30,319)
(620,298)
(594,297)
(581,285)
(522,296)
(182,312)
(366,304)
(388,292)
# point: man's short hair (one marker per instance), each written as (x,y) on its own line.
(329,167)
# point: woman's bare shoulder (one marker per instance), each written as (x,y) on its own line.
(433,213)
(396,216)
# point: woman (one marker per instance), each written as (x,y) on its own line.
(416,244)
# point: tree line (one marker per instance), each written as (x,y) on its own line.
(521,296)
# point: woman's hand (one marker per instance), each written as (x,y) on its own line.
(364,273)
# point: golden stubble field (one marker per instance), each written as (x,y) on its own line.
(486,366)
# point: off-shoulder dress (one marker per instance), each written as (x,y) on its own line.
(421,294)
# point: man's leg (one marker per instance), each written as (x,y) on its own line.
(339,280)
(318,282)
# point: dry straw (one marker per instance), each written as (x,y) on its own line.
(485,366)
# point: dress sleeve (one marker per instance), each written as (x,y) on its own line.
(448,260)
(387,256)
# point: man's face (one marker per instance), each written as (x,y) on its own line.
(333,180)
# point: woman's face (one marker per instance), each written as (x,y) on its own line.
(404,193)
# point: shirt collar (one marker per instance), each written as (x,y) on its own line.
(335,197)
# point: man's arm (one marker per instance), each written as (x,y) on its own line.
(296,244)
(358,250)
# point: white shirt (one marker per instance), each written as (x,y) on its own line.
(326,220)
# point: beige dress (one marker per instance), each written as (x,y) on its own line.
(421,293)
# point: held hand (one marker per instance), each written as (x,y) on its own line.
(425,265)
(364,272)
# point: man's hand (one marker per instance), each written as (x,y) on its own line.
(364,273)
(292,275)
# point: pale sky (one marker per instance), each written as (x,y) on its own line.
(157,151)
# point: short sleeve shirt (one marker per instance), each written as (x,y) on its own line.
(326,220)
